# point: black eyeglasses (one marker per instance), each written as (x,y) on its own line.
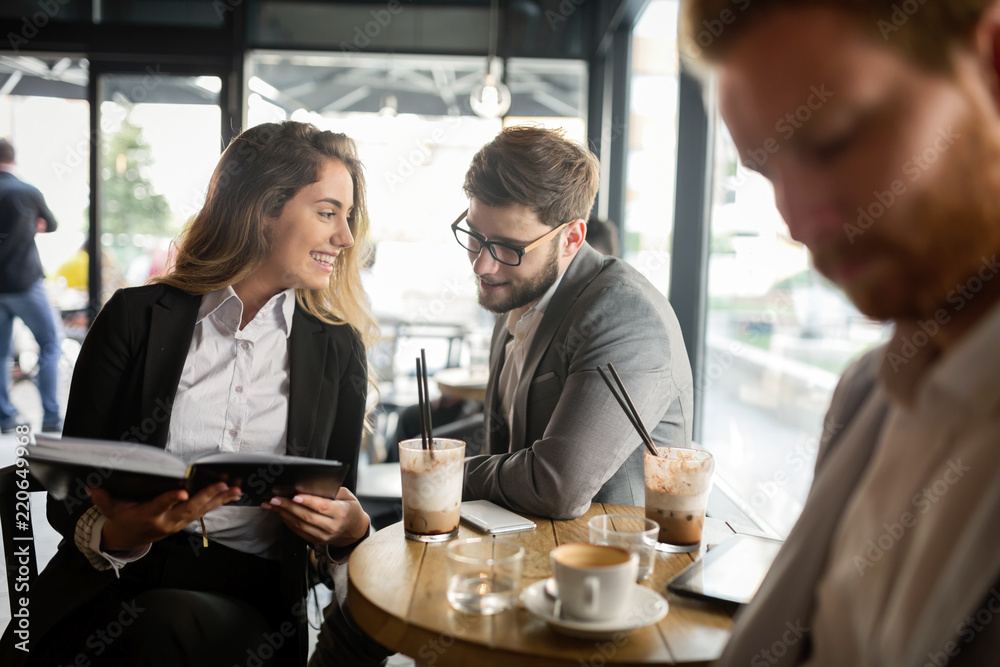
(509,255)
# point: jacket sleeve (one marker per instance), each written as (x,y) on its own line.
(94,397)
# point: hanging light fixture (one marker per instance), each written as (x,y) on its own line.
(491,98)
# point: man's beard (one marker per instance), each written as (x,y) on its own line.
(528,291)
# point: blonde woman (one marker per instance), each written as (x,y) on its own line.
(254,342)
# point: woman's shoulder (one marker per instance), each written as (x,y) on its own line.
(143,297)
(341,334)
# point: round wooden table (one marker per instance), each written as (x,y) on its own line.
(397,594)
(462,383)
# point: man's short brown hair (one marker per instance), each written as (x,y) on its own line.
(927,30)
(538,168)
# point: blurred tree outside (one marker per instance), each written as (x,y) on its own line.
(131,207)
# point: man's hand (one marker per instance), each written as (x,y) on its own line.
(132,525)
(317,520)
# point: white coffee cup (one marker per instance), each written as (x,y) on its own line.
(594,581)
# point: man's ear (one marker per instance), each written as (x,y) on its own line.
(576,234)
(986,42)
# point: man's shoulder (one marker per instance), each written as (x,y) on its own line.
(618,284)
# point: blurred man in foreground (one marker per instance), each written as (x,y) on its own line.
(890,178)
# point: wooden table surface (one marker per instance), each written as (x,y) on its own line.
(397,594)
(462,383)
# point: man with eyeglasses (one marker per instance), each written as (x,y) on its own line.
(555,439)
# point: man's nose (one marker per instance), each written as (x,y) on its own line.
(808,209)
(484,264)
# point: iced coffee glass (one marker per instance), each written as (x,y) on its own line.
(677,485)
(432,488)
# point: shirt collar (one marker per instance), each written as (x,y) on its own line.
(230,309)
(538,308)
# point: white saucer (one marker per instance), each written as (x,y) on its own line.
(644,607)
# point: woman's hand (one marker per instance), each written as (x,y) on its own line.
(131,525)
(317,520)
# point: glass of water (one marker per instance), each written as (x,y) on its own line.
(635,533)
(484,574)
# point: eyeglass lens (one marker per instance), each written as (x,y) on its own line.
(502,254)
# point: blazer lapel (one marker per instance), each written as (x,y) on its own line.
(307,358)
(582,270)
(171,327)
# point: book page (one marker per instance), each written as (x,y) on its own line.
(115,455)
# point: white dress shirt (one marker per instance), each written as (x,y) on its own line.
(232,397)
(522,331)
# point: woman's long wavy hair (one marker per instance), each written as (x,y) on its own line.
(229,239)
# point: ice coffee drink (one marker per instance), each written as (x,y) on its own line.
(677,485)
(432,488)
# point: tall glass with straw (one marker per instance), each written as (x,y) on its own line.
(677,480)
(432,472)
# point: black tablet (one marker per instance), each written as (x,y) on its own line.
(731,572)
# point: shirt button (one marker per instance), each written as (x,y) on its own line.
(232,432)
(245,345)
(239,390)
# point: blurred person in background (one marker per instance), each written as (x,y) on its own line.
(878,124)
(23,213)
(602,235)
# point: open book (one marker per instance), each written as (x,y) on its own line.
(130,471)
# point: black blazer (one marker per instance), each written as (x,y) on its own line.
(21,205)
(123,388)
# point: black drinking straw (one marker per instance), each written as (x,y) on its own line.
(424,403)
(629,407)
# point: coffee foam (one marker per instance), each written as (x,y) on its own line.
(678,473)
(434,486)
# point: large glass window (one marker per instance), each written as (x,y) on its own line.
(151,183)
(652,143)
(778,337)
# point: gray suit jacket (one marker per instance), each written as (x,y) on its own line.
(569,442)
(774,629)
